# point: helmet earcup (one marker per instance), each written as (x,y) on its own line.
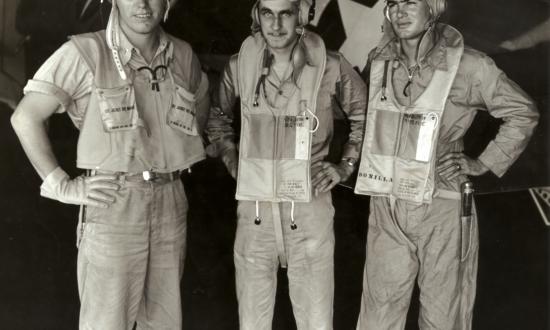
(307,12)
(387,13)
(255,17)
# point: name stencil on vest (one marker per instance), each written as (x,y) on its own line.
(293,189)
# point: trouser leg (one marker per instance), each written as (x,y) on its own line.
(433,235)
(112,261)
(390,269)
(160,308)
(310,250)
(447,283)
(131,259)
(256,265)
(468,283)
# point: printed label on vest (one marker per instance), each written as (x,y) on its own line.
(407,188)
(292,180)
(292,189)
(410,179)
(375,175)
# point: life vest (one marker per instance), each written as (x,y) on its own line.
(398,157)
(275,144)
(115,137)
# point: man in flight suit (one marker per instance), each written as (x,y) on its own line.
(139,99)
(425,87)
(290,89)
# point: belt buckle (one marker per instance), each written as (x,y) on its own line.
(149,175)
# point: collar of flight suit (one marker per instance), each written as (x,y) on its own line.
(309,43)
(127,50)
(432,50)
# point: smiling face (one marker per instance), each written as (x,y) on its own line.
(278,23)
(409,18)
(139,17)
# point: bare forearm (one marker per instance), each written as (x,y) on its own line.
(33,136)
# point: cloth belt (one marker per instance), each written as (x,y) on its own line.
(145,176)
(279,238)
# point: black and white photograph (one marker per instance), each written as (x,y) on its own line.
(275,165)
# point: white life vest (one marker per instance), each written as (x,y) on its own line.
(275,144)
(113,135)
(398,156)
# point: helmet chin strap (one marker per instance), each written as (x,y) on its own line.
(167,11)
(113,40)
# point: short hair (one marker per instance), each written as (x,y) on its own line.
(437,7)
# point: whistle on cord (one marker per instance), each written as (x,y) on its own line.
(466,227)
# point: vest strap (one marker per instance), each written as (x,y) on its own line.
(447,194)
(85,53)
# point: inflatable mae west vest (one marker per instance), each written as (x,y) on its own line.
(113,135)
(398,156)
(275,144)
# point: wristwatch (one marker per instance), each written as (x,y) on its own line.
(350,161)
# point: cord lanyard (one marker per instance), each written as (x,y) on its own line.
(154,80)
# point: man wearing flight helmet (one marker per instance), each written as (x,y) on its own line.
(425,87)
(139,99)
(290,89)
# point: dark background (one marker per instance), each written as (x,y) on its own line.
(37,236)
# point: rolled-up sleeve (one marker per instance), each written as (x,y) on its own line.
(505,100)
(65,76)
(352,97)
(219,128)
(202,101)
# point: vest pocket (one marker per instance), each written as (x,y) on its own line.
(417,136)
(260,135)
(294,137)
(385,132)
(182,113)
(118,108)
